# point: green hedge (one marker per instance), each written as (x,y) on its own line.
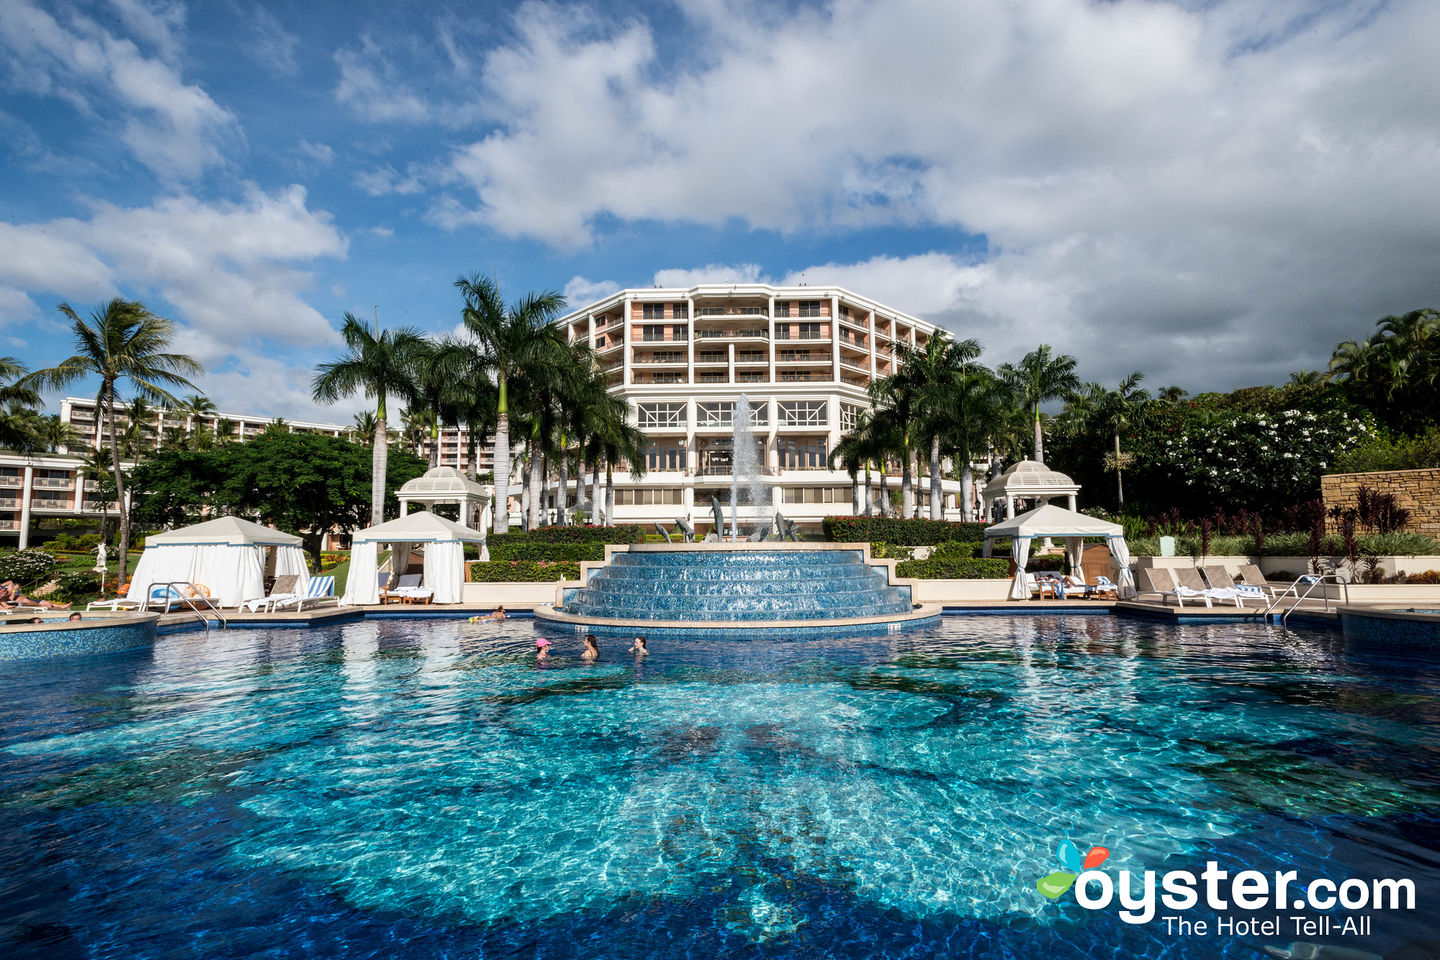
(893,530)
(523,571)
(625,533)
(531,550)
(955,568)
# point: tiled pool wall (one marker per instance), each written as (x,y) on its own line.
(798,630)
(60,639)
(1399,628)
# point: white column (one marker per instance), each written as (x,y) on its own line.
(1009,507)
(835,339)
(1072,503)
(625,339)
(25,491)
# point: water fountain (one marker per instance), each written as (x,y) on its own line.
(731,588)
(745,467)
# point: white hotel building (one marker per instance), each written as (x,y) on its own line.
(803,356)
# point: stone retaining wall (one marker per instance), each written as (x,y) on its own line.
(1416,490)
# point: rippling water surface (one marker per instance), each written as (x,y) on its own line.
(399,789)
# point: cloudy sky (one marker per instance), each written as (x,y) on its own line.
(1213,192)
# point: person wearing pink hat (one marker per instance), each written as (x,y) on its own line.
(542,649)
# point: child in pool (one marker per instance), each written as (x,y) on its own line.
(542,649)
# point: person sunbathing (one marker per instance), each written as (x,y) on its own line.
(11,597)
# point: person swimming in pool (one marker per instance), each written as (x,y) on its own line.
(494,616)
(639,648)
(592,649)
(542,649)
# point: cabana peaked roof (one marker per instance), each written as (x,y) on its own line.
(421,527)
(1049,520)
(227,530)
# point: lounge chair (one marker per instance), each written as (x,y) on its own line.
(282,589)
(115,605)
(1189,579)
(1251,576)
(1158,580)
(168,598)
(1220,579)
(383,580)
(409,590)
(318,592)
(1040,583)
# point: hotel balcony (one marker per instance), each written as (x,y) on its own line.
(734,333)
(53,505)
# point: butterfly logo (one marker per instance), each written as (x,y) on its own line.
(1055,884)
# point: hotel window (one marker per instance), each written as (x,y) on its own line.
(817,495)
(803,413)
(750,377)
(652,416)
(652,332)
(849,416)
(809,308)
(710,356)
(665,455)
(661,356)
(652,311)
(717,414)
(647,497)
(801,453)
(710,376)
(782,308)
(680,311)
(665,378)
(795,376)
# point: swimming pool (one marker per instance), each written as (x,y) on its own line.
(421,788)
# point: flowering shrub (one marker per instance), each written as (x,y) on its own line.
(1261,460)
(26,567)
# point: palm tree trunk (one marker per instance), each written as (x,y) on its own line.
(937,507)
(500,513)
(562,489)
(609,493)
(595,493)
(527,509)
(544,488)
(855,493)
(1039,438)
(1119,480)
(534,481)
(379,463)
(434,440)
(967,491)
(884,492)
(119,483)
(907,485)
(869,491)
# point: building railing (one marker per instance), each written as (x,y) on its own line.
(11,481)
(56,482)
(660,359)
(9,502)
(50,504)
(665,338)
(711,356)
(803,335)
(754,333)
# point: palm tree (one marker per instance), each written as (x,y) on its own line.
(379,364)
(1171,395)
(56,433)
(17,430)
(439,367)
(1040,377)
(511,340)
(934,376)
(121,342)
(852,454)
(362,429)
(619,440)
(1097,408)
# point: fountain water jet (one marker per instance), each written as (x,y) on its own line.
(745,465)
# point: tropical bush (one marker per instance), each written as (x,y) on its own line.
(26,567)
(955,568)
(74,587)
(904,532)
(624,533)
(523,571)
(1261,460)
(1398,453)
(540,551)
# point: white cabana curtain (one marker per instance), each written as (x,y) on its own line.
(1074,553)
(361,586)
(233,573)
(1020,552)
(1125,582)
(445,569)
(290,562)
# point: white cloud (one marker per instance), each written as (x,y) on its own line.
(231,270)
(321,154)
(371,87)
(272,45)
(710,273)
(172,127)
(386,180)
(580,291)
(1162,186)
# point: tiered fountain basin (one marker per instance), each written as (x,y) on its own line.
(738,589)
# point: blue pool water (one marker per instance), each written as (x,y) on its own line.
(423,789)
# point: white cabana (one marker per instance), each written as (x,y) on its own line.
(444,485)
(226,556)
(1029,479)
(1067,525)
(444,543)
